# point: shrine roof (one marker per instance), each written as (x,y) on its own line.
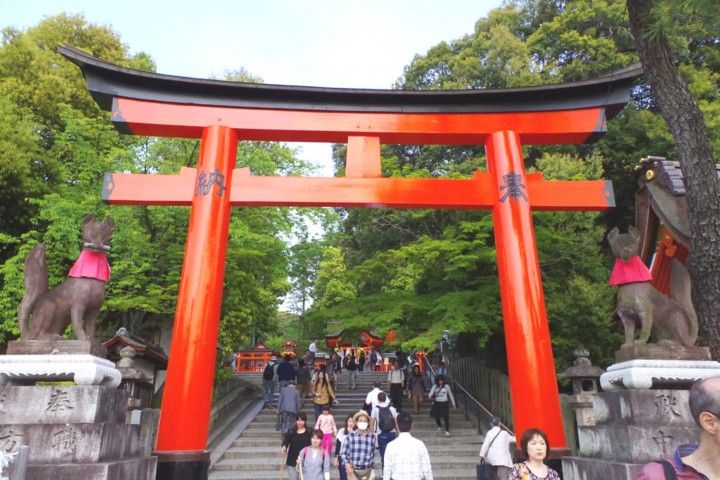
(667,171)
(107,81)
(123,338)
(338,334)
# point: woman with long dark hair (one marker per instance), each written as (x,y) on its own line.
(441,397)
(294,440)
(323,393)
(342,434)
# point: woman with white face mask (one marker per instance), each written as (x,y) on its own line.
(358,450)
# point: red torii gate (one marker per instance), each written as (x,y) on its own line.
(221,113)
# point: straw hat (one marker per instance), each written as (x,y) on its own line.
(361,413)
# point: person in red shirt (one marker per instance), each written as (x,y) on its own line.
(695,461)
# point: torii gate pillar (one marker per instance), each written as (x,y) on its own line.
(183,431)
(527,334)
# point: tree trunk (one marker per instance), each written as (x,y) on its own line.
(697,164)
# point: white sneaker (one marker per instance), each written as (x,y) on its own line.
(447,434)
(439,429)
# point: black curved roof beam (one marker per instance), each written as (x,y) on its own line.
(457,114)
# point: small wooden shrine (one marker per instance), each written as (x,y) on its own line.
(253,360)
(365,340)
(661,215)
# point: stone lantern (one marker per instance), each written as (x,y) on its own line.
(584,376)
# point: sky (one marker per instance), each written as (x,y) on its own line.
(326,43)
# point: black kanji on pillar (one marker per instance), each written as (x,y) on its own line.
(513,186)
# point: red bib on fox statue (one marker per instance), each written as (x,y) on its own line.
(91,264)
(634,270)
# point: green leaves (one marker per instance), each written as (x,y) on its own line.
(55,148)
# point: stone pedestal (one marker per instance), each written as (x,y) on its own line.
(632,428)
(655,351)
(649,373)
(48,347)
(74,432)
(83,369)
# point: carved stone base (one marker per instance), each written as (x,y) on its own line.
(55,404)
(654,351)
(657,373)
(77,442)
(82,369)
(75,432)
(47,347)
(579,468)
(632,428)
(136,468)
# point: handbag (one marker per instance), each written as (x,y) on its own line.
(485,471)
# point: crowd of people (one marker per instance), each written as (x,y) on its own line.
(312,450)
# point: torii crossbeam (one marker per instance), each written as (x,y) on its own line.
(221,113)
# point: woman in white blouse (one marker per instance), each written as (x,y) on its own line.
(495,449)
(441,397)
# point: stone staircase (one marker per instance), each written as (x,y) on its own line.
(255,454)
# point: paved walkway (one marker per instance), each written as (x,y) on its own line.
(256,452)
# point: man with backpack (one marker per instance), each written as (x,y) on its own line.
(695,461)
(268,377)
(383,418)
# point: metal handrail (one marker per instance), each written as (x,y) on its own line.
(475,400)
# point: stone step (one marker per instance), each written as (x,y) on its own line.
(254,430)
(276,473)
(445,449)
(259,462)
(255,454)
(430,439)
(418,426)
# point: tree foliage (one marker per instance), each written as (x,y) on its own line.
(55,147)
(659,45)
(422,272)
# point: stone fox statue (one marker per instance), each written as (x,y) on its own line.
(664,320)
(45,314)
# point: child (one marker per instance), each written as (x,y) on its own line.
(326,423)
(314,461)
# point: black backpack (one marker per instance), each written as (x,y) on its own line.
(386,422)
(268,373)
